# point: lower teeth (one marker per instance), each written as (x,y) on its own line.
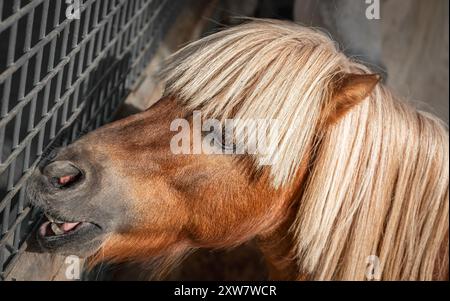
(56,229)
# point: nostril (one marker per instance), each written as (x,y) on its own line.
(62,174)
(66,181)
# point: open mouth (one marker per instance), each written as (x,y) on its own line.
(59,231)
(56,227)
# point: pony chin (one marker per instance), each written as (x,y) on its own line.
(158,254)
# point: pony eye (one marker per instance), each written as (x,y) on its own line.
(220,141)
(227,141)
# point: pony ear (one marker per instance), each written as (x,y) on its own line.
(349,91)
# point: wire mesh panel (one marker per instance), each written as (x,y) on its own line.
(62,74)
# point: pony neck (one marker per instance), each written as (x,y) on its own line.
(277,247)
(278,244)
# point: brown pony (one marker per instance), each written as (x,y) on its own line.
(359,178)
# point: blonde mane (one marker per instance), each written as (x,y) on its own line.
(378,184)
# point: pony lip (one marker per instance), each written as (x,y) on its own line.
(57,228)
(67,236)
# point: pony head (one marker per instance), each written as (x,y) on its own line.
(356,173)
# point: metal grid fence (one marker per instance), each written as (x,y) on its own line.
(58,78)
